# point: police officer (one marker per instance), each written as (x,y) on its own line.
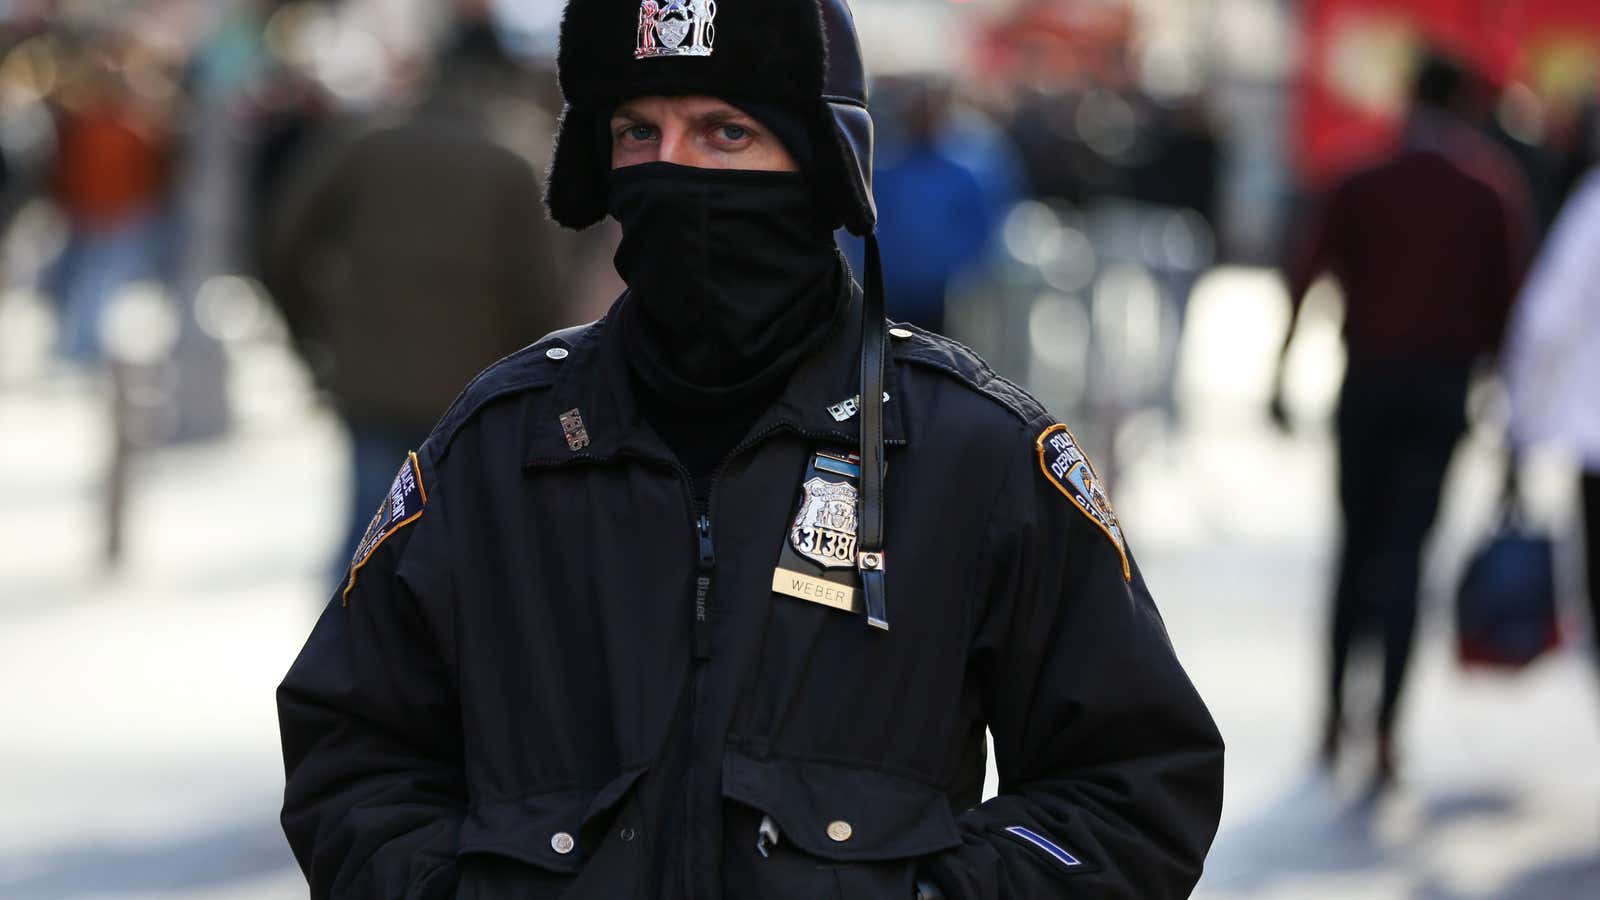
(716,597)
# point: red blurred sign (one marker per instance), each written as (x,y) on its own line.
(1353,79)
(1053,42)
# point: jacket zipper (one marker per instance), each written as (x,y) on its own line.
(702,588)
(705,567)
(706,562)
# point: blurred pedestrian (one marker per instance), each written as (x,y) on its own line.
(1553,359)
(940,208)
(110,180)
(407,259)
(1521,127)
(290,109)
(1428,248)
(1582,145)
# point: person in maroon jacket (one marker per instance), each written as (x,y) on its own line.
(1429,248)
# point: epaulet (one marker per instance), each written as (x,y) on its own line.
(532,368)
(935,351)
(1062,462)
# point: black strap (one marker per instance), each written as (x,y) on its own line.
(870,561)
(1513,505)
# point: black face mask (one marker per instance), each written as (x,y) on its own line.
(732,276)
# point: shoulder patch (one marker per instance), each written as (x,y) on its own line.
(1068,468)
(404,505)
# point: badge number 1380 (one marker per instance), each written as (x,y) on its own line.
(826,543)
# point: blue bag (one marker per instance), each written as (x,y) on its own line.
(1506,614)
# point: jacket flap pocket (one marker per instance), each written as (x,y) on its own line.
(842,812)
(555,830)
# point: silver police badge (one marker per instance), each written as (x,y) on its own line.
(824,530)
(676,28)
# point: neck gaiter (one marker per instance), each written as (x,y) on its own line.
(733,277)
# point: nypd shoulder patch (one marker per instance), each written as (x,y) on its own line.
(400,508)
(1068,468)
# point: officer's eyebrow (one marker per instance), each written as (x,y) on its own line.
(727,115)
(724,114)
(627,112)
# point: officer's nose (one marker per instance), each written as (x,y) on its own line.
(677,147)
(673,148)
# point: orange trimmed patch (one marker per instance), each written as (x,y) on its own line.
(404,505)
(1067,467)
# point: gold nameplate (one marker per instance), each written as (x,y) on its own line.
(817,590)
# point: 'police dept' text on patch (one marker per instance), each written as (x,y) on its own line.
(1069,469)
(403,506)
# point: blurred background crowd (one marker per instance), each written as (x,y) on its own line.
(1256,251)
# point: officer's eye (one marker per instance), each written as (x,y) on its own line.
(733,133)
(639,132)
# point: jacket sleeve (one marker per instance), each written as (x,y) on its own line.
(1552,321)
(375,791)
(1110,765)
(1314,246)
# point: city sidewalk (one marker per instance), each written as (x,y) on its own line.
(1236,529)
(140,756)
(1500,791)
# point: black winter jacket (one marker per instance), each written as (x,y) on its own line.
(550,675)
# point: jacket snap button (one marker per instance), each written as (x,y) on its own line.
(562,843)
(628,834)
(556,353)
(900,333)
(840,831)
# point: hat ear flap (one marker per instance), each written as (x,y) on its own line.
(846,166)
(577,186)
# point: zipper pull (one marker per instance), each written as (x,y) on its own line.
(708,554)
(702,590)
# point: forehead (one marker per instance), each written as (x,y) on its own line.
(692,107)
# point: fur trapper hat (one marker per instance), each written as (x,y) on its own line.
(802,55)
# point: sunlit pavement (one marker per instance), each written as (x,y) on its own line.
(139,755)
(1235,529)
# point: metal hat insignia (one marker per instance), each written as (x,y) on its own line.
(676,28)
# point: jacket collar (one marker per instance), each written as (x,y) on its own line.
(594,381)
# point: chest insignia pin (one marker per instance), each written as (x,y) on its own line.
(572,426)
